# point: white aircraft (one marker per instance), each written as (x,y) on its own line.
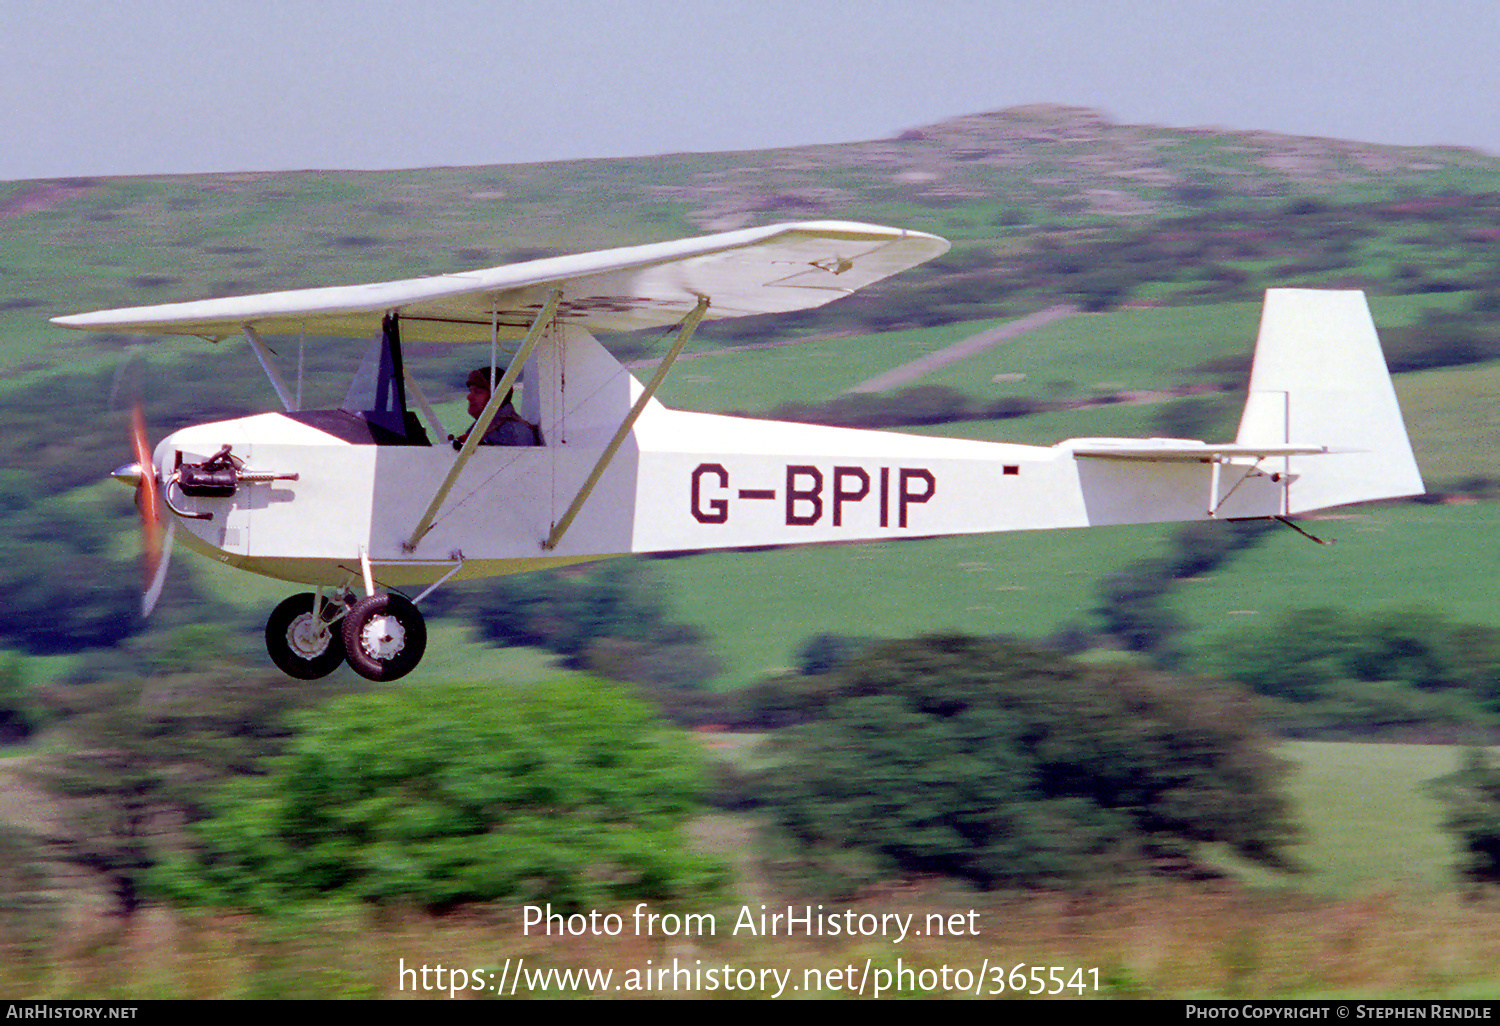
(360,501)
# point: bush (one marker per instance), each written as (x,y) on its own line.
(569,793)
(611,621)
(1007,766)
(20,713)
(1305,654)
(1472,798)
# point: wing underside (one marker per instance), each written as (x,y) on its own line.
(775,269)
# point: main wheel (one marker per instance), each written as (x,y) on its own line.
(384,637)
(299,645)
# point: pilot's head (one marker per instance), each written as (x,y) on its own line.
(479,390)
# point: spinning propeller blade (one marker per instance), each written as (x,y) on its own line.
(154,557)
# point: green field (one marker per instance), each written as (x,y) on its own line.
(1437,557)
(1370,824)
(759,606)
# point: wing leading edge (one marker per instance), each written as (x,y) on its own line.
(775,269)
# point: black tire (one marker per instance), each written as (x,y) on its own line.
(384,637)
(295,648)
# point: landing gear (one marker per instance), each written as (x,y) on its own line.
(384,637)
(303,645)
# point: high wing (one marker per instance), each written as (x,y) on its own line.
(774,269)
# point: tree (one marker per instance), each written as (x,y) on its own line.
(1306,655)
(569,793)
(1008,766)
(611,621)
(145,757)
(1472,798)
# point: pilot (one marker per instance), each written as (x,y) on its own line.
(509,427)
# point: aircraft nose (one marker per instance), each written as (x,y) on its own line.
(128,474)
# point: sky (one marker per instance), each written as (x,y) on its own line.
(140,87)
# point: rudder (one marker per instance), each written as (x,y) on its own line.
(1320,378)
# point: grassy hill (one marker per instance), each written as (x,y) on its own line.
(1046,204)
(996,181)
(1041,201)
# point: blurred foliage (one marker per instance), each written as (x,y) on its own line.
(1389,667)
(1132,603)
(1009,766)
(140,758)
(1471,798)
(824,653)
(20,712)
(610,620)
(569,793)
(63,588)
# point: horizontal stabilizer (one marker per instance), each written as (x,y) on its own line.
(1173,450)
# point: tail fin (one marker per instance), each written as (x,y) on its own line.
(1319,378)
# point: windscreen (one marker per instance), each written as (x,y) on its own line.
(377,394)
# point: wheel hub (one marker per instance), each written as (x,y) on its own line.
(308,638)
(383,637)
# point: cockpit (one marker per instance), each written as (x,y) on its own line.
(377,408)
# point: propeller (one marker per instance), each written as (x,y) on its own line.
(156,550)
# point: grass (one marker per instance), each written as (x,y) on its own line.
(1441,557)
(760,606)
(1370,824)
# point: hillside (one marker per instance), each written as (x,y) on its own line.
(1011,181)
(1175,231)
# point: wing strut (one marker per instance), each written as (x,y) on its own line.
(482,425)
(684,332)
(263,354)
